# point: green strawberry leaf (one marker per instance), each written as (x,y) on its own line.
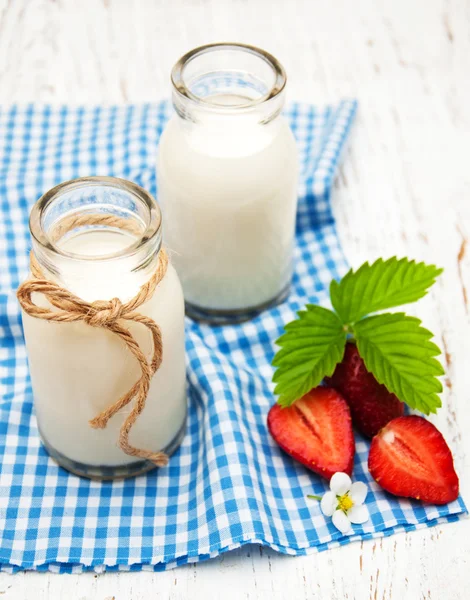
(311,347)
(394,347)
(398,351)
(380,286)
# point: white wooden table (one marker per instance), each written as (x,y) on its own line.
(404,189)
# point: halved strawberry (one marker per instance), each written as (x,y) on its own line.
(409,457)
(317,431)
(372,405)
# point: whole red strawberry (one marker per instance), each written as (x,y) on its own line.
(410,457)
(317,431)
(372,405)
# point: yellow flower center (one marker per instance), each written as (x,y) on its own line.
(345,502)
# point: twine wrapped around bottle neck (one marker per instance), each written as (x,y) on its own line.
(110,315)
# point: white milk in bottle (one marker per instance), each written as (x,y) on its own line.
(227,181)
(78,370)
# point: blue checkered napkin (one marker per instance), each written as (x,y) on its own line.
(229,483)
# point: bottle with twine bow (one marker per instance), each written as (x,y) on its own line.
(103,317)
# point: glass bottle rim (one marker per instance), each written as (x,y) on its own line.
(152,229)
(178,82)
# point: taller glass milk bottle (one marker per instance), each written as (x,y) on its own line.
(227,182)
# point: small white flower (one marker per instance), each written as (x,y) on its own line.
(345,502)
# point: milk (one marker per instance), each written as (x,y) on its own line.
(77,370)
(227,185)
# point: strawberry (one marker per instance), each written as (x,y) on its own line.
(317,431)
(410,457)
(372,405)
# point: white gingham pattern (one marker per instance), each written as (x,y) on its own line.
(229,483)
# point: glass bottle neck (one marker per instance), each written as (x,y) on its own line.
(228,98)
(98,279)
(98,237)
(227,135)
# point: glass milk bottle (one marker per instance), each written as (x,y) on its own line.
(227,182)
(99,238)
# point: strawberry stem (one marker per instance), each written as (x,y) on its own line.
(348,329)
(313,497)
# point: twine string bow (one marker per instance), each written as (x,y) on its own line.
(106,315)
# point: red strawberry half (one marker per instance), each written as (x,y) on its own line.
(317,431)
(372,405)
(410,457)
